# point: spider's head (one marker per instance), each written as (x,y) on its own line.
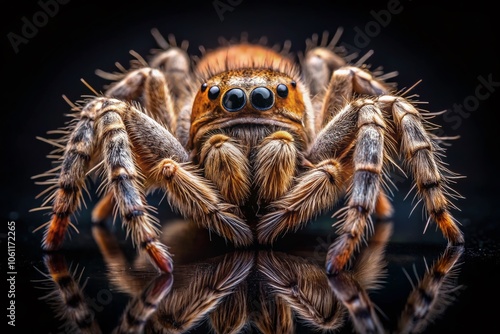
(259,93)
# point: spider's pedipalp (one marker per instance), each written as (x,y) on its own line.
(300,283)
(277,158)
(221,155)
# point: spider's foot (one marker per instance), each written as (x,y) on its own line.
(54,235)
(159,255)
(449,228)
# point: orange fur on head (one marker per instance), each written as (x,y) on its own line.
(247,66)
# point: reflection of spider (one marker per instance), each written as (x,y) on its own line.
(250,144)
(250,292)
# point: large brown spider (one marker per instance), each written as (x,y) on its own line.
(250,144)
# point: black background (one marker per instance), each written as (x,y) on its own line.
(449,48)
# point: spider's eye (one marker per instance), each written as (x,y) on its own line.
(234,99)
(294,83)
(282,90)
(262,98)
(213,92)
(204,87)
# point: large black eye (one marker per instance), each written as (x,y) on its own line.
(234,99)
(213,92)
(262,98)
(282,90)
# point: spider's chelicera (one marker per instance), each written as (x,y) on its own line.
(248,143)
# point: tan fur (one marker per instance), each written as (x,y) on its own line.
(232,315)
(304,288)
(197,199)
(276,160)
(313,193)
(274,315)
(227,167)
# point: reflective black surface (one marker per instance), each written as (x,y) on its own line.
(99,282)
(450,49)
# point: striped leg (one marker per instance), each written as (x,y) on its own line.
(421,154)
(68,297)
(126,184)
(368,161)
(149,86)
(67,187)
(433,293)
(351,288)
(142,307)
(100,128)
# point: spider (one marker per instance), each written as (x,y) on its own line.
(250,143)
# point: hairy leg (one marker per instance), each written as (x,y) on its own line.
(67,296)
(205,286)
(134,149)
(148,87)
(304,288)
(364,189)
(421,153)
(433,293)
(351,287)
(314,192)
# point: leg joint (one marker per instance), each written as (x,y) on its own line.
(134,214)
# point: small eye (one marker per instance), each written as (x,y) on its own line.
(262,98)
(234,99)
(204,87)
(294,83)
(282,90)
(213,92)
